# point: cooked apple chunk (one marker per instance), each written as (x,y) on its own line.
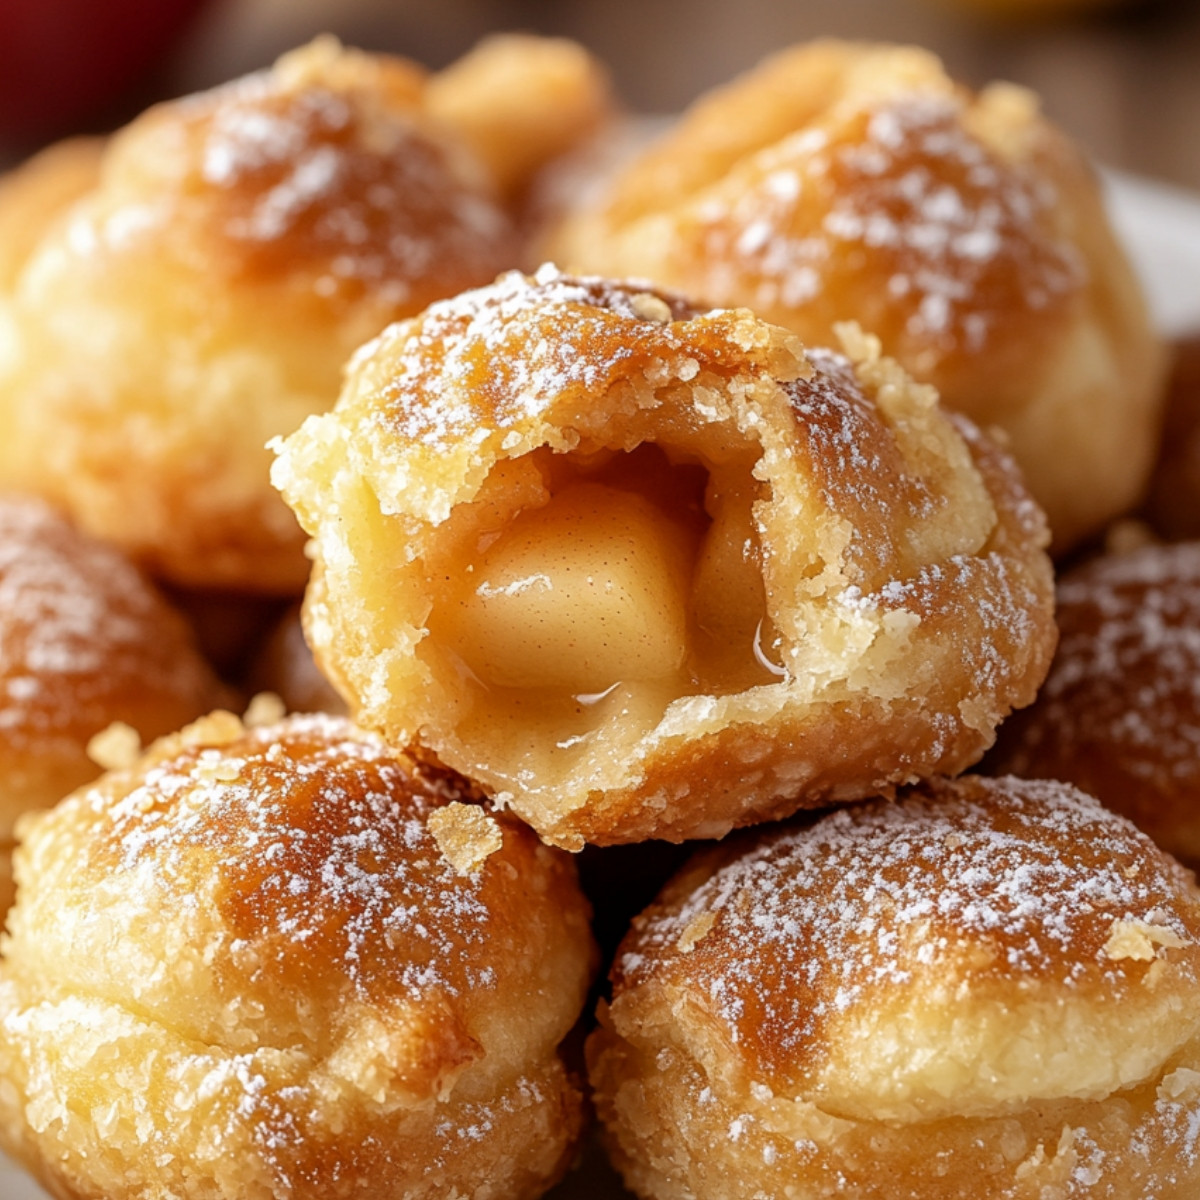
(581,594)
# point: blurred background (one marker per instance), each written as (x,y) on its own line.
(1122,75)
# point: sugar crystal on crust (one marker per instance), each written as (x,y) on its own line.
(465,835)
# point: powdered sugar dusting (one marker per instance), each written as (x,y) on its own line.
(1126,680)
(812,922)
(905,195)
(325,853)
(81,631)
(983,603)
(513,348)
(328,178)
(1175,1127)
(842,426)
(243,140)
(477,1121)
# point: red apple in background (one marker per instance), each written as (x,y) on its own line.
(62,60)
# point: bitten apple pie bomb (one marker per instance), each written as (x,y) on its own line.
(842,181)
(989,988)
(287,963)
(647,571)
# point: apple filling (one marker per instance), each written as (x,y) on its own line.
(589,591)
(594,586)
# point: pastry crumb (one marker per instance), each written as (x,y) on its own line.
(696,930)
(115,747)
(265,708)
(1138,940)
(219,728)
(651,308)
(1181,1084)
(858,345)
(465,835)
(213,767)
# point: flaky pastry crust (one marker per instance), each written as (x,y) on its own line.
(644,571)
(287,962)
(1119,714)
(854,181)
(987,989)
(204,294)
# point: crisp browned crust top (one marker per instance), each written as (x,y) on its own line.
(977,887)
(1119,713)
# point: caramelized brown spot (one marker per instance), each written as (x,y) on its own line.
(315,181)
(516,346)
(325,861)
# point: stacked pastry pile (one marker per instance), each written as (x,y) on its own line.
(596,562)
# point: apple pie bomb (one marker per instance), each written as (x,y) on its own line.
(194,288)
(287,961)
(643,570)
(855,180)
(1119,715)
(90,656)
(990,988)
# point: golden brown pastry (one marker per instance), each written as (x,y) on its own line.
(581,177)
(645,571)
(1119,714)
(288,963)
(205,294)
(990,989)
(853,181)
(284,665)
(85,641)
